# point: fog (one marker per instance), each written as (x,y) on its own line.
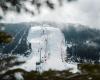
(84,12)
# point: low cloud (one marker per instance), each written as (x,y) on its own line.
(85,12)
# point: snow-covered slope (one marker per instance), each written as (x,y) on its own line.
(48,50)
(49,42)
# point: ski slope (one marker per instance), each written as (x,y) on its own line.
(48,50)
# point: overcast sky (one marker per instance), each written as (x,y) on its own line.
(85,12)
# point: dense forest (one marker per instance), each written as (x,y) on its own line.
(85,43)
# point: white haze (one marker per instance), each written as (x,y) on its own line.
(86,12)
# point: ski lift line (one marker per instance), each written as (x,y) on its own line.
(42,59)
(46,43)
(46,55)
(18,42)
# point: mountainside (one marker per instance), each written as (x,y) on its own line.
(47,44)
(84,43)
(19,33)
(48,50)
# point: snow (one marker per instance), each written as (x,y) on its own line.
(18,76)
(50,43)
(37,40)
